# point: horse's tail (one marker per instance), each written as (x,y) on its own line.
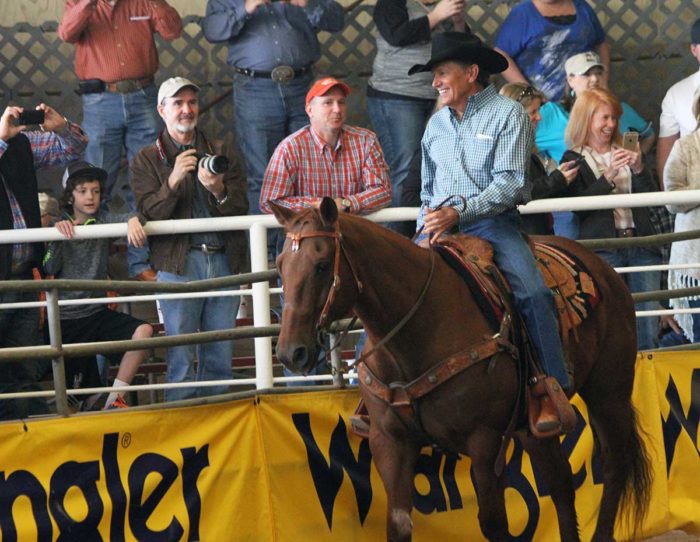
(636,493)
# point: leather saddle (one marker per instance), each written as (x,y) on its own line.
(574,290)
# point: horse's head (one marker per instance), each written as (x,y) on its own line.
(312,274)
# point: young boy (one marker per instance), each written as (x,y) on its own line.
(87,259)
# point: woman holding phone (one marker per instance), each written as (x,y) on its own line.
(583,71)
(608,168)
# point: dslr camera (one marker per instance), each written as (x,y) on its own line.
(214,163)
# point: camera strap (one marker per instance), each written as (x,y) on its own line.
(160,147)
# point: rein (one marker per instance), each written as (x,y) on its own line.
(297,237)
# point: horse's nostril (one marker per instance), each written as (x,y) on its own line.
(300,356)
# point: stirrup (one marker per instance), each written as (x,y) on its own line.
(550,412)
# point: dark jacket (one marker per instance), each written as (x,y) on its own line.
(155,201)
(17,169)
(600,224)
(544,185)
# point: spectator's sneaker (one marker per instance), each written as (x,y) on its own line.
(117,403)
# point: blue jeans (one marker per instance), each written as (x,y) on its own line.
(647,327)
(201,314)
(566,224)
(114,122)
(20,327)
(265,113)
(673,338)
(532,298)
(399,125)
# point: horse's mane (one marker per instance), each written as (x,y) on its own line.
(350,223)
(373,231)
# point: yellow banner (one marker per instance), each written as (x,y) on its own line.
(285,468)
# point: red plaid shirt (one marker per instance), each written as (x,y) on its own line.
(304,169)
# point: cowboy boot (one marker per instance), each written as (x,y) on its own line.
(556,413)
(548,418)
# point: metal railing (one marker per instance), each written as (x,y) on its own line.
(262,330)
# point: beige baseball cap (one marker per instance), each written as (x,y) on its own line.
(172,86)
(579,64)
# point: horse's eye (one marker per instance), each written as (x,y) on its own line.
(322,268)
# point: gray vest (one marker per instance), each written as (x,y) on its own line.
(391,65)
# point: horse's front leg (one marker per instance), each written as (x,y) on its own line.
(548,456)
(483,446)
(396,461)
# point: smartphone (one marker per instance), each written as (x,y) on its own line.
(30,116)
(630,141)
(578,161)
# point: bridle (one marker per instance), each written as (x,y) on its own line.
(297,237)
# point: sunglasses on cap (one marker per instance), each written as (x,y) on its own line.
(527,92)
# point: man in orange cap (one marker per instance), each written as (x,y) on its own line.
(328,158)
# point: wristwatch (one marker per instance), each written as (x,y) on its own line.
(347,204)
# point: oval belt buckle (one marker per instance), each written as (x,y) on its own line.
(282,74)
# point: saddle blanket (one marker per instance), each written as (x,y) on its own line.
(574,291)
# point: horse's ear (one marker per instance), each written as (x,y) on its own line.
(282,214)
(328,210)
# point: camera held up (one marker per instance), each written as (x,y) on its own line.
(214,163)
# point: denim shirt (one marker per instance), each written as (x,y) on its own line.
(484,157)
(275,34)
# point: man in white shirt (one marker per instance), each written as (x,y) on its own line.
(677,118)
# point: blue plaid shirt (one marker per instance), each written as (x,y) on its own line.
(484,157)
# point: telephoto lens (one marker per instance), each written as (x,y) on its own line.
(214,163)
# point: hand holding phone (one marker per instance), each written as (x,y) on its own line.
(29,116)
(578,161)
(630,141)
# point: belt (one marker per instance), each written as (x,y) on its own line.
(626,232)
(280,74)
(207,249)
(129,85)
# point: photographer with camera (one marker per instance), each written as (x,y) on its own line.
(22,152)
(179,176)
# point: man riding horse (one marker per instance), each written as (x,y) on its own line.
(475,153)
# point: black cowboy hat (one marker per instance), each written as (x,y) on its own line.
(465,47)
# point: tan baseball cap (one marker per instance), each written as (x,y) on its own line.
(172,86)
(579,64)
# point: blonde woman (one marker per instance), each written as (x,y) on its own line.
(682,172)
(546,179)
(609,169)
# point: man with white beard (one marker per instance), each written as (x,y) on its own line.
(170,180)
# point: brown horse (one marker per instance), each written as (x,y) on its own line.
(381,277)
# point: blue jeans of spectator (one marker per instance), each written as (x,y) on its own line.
(20,327)
(114,122)
(566,224)
(647,327)
(399,125)
(673,338)
(265,113)
(534,301)
(200,314)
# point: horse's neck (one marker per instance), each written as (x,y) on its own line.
(394,273)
